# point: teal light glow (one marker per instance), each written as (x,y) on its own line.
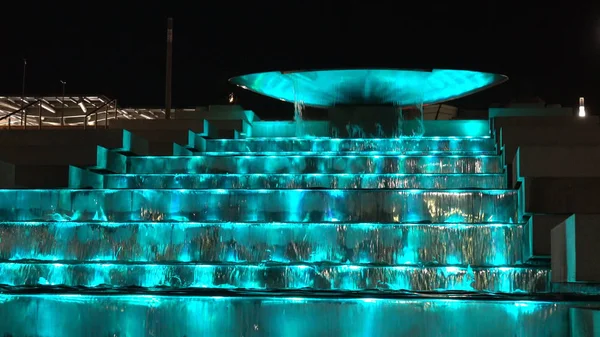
(305,181)
(316,163)
(280,237)
(294,205)
(314,277)
(321,129)
(142,315)
(331,153)
(238,242)
(327,88)
(374,146)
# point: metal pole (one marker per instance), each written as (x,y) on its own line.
(24,119)
(438,111)
(62,112)
(23,113)
(96,120)
(106,118)
(169,68)
(40,116)
(116,112)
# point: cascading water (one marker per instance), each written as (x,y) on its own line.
(379,133)
(419,127)
(298,111)
(355,131)
(397,133)
(410,119)
(335,132)
(298,121)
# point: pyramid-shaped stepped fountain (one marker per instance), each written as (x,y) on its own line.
(278,237)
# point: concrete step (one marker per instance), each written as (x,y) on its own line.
(305,181)
(584,322)
(559,195)
(56,141)
(308,206)
(315,164)
(478,244)
(258,277)
(284,314)
(537,235)
(574,250)
(429,145)
(33,173)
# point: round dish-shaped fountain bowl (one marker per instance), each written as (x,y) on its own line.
(326,88)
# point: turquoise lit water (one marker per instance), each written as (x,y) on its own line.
(280,237)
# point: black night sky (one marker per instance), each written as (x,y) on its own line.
(118,48)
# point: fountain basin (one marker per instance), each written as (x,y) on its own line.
(326,88)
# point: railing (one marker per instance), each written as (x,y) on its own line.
(23,110)
(95,113)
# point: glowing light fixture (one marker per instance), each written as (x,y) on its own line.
(581,112)
(327,88)
(8,105)
(82,105)
(48,108)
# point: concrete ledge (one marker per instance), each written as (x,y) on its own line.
(219,112)
(179,150)
(7,175)
(497,123)
(531,112)
(585,322)
(164,142)
(60,138)
(557,162)
(513,137)
(198,126)
(288,128)
(457,128)
(61,175)
(109,161)
(537,235)
(65,147)
(81,155)
(227,129)
(559,195)
(574,249)
(170,137)
(83,178)
(439,128)
(41,176)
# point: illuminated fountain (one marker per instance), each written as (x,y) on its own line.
(298,109)
(406,92)
(286,235)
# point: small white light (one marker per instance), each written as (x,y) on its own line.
(581,112)
(48,108)
(82,106)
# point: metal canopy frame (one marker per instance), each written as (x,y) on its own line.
(72,111)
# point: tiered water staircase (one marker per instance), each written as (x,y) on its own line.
(279,237)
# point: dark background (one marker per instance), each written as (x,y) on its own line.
(118,48)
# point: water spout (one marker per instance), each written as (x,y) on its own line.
(355,131)
(299,122)
(397,132)
(298,111)
(379,133)
(335,132)
(419,130)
